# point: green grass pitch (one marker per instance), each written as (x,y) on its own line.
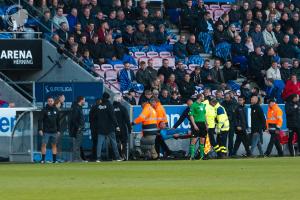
(271,178)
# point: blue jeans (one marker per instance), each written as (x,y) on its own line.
(101,139)
(256,141)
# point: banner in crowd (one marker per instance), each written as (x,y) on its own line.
(90,90)
(174,112)
(20,54)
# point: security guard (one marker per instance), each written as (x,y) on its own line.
(148,118)
(222,127)
(274,123)
(211,124)
(162,123)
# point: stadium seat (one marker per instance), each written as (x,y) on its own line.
(171,61)
(131,54)
(193,66)
(97,67)
(213,92)
(111,75)
(139,54)
(214,6)
(145,59)
(152,54)
(206,6)
(211,13)
(157,62)
(185,67)
(226,7)
(218,13)
(165,54)
(118,67)
(134,67)
(105,67)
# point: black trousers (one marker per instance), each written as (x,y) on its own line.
(274,140)
(230,140)
(241,137)
(292,131)
(95,143)
(159,142)
(211,135)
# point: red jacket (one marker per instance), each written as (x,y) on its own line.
(290,88)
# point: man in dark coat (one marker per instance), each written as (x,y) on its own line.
(49,128)
(76,127)
(240,121)
(258,125)
(93,128)
(106,126)
(124,124)
(292,110)
(186,88)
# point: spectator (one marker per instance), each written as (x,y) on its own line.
(256,66)
(95,48)
(77,32)
(219,96)
(145,19)
(141,6)
(72,19)
(130,11)
(145,97)
(46,26)
(99,19)
(196,77)
(292,87)
(155,94)
(83,45)
(121,21)
(130,97)
(239,52)
(63,32)
(140,36)
(74,52)
(217,74)
(294,22)
(179,72)
(161,35)
(126,77)
(122,51)
(206,76)
(285,50)
(257,36)
(269,36)
(295,44)
(219,34)
(273,72)
(164,97)
(171,84)
(229,73)
(70,42)
(269,57)
(249,44)
(186,88)
(87,60)
(85,17)
(205,28)
(179,49)
(60,18)
(108,52)
(224,20)
(285,71)
(189,15)
(165,69)
(272,91)
(158,19)
(128,36)
(231,33)
(143,76)
(296,69)
(278,33)
(245,91)
(95,9)
(259,19)
(90,30)
(245,32)
(112,20)
(151,34)
(234,14)
(103,31)
(175,100)
(193,48)
(152,72)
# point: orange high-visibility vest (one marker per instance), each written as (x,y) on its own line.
(161,114)
(274,116)
(148,118)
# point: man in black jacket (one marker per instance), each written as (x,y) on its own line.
(186,88)
(292,110)
(93,128)
(124,124)
(76,127)
(240,121)
(106,126)
(49,128)
(230,107)
(258,124)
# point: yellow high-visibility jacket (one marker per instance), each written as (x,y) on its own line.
(222,118)
(210,115)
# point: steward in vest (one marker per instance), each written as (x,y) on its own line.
(211,123)
(222,127)
(198,124)
(162,123)
(148,118)
(274,123)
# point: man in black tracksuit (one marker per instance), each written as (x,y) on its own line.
(124,124)
(76,127)
(106,126)
(230,107)
(292,110)
(49,128)
(240,121)
(93,128)
(258,125)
